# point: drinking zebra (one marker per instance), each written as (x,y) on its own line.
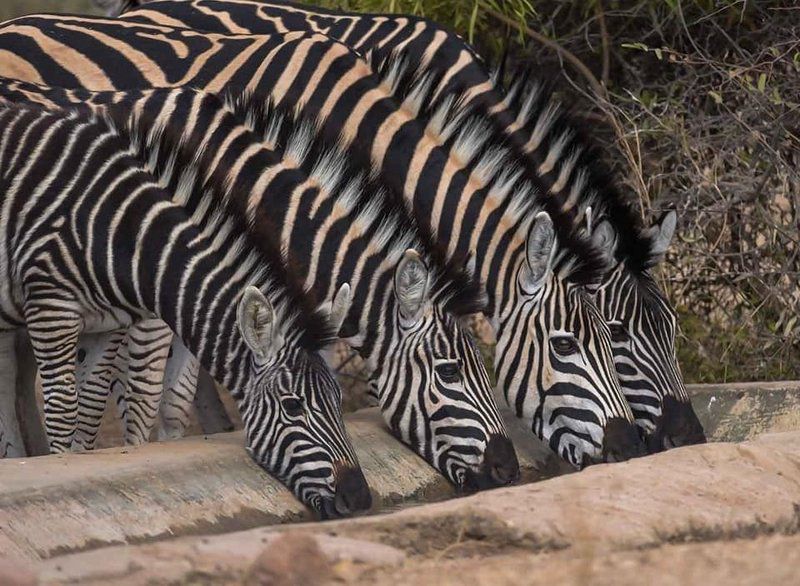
(426,373)
(535,126)
(92,243)
(492,207)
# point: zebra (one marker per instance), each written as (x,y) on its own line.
(427,373)
(533,124)
(356,108)
(91,243)
(642,321)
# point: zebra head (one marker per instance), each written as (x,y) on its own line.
(292,413)
(435,393)
(643,325)
(553,356)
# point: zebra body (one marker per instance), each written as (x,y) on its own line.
(91,243)
(461,191)
(335,227)
(532,123)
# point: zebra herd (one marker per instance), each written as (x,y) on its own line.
(225,187)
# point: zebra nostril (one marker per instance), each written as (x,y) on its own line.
(352,492)
(677,426)
(621,441)
(500,464)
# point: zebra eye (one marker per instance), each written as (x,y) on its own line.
(564,345)
(449,372)
(293,406)
(618,333)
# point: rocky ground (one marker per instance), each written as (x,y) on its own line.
(725,513)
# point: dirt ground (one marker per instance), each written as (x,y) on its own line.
(769,560)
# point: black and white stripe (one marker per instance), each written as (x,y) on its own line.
(91,243)
(535,127)
(468,195)
(336,228)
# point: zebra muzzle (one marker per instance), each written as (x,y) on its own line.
(678,426)
(351,496)
(621,441)
(499,468)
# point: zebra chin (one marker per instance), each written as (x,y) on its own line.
(499,467)
(621,442)
(677,426)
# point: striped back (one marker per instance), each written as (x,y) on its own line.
(78,200)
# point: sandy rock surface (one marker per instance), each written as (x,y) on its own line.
(707,514)
(752,562)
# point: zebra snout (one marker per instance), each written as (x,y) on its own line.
(621,441)
(499,467)
(352,492)
(678,426)
(500,462)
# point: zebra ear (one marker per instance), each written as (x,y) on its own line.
(539,248)
(411,285)
(662,232)
(338,308)
(256,319)
(605,238)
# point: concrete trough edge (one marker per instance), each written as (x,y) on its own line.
(62,504)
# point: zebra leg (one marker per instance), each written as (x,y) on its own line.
(149,344)
(54,334)
(95,371)
(30,417)
(11,443)
(180,386)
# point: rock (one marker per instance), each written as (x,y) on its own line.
(712,492)
(14,572)
(697,493)
(767,560)
(259,556)
(294,559)
(71,502)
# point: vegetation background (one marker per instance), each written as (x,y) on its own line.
(696,103)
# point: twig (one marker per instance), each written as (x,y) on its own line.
(587,74)
(601,20)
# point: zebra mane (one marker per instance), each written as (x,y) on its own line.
(547,121)
(464,129)
(367,202)
(181,163)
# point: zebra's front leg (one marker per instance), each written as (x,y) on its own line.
(148,348)
(54,334)
(11,441)
(95,371)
